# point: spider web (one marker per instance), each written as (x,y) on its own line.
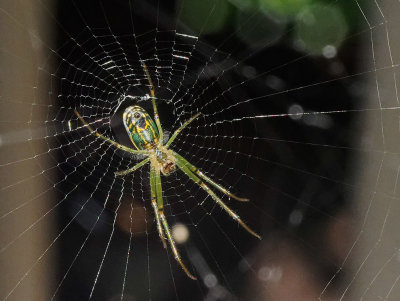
(309,138)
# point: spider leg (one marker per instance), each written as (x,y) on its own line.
(200,174)
(116,144)
(154,203)
(197,180)
(157,203)
(153,100)
(173,247)
(128,171)
(159,228)
(186,123)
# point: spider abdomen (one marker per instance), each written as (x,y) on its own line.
(141,128)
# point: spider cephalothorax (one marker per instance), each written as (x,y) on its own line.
(164,159)
(147,137)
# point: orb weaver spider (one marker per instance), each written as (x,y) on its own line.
(147,138)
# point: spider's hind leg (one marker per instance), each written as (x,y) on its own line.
(108,140)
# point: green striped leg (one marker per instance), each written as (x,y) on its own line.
(185,124)
(158,206)
(198,172)
(116,144)
(153,100)
(154,203)
(182,165)
(128,171)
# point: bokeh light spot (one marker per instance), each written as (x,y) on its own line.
(180,233)
(210,280)
(329,51)
(296,112)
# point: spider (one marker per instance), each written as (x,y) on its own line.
(147,138)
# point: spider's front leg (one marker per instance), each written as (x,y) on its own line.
(153,100)
(185,124)
(162,224)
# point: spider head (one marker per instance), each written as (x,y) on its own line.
(140,127)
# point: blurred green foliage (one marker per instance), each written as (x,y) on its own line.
(320,25)
(206,16)
(313,24)
(284,7)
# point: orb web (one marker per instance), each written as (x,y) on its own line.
(293,120)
